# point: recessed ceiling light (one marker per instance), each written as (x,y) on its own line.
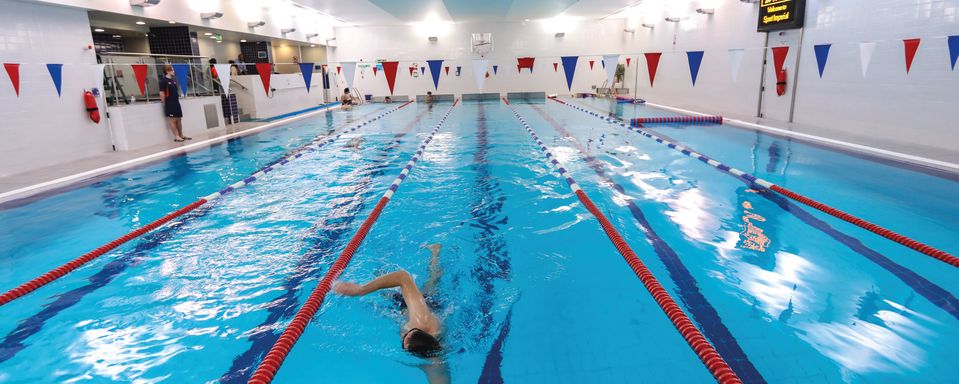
(312,45)
(172,22)
(146,34)
(98,30)
(525,19)
(242,41)
(141,23)
(207,33)
(212,37)
(219,41)
(117,36)
(283,45)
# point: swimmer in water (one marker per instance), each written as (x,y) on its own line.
(354,143)
(421,334)
(346,99)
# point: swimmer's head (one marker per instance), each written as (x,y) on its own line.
(346,90)
(420,343)
(429,93)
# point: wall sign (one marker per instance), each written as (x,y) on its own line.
(775,15)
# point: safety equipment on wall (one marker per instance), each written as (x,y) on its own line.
(781,82)
(91,103)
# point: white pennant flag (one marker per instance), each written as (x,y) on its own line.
(98,75)
(349,72)
(735,58)
(610,62)
(479,70)
(865,55)
(223,71)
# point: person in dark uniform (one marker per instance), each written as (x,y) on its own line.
(170,97)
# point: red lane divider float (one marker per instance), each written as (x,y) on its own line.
(70,266)
(710,358)
(278,352)
(923,248)
(639,121)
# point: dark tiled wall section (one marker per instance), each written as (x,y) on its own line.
(251,53)
(173,41)
(104,42)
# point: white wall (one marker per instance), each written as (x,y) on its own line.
(290,94)
(39,124)
(222,52)
(138,126)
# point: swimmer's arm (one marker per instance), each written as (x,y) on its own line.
(420,315)
(438,372)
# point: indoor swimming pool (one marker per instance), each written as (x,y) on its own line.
(532,290)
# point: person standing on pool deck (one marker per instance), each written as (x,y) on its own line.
(420,334)
(170,97)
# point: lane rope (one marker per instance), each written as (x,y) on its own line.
(926,249)
(72,265)
(639,121)
(707,354)
(274,358)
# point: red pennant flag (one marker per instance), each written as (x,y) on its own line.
(140,72)
(412,69)
(389,69)
(591,64)
(447,70)
(555,67)
(265,70)
(374,70)
(524,62)
(779,57)
(911,45)
(338,68)
(652,63)
(13,70)
(628,59)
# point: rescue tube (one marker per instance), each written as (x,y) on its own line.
(781,82)
(92,108)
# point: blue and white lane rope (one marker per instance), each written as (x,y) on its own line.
(72,265)
(926,249)
(281,348)
(713,361)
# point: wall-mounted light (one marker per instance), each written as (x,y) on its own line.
(144,3)
(648,25)
(749,1)
(629,30)
(254,24)
(705,11)
(311,35)
(287,30)
(672,19)
(560,34)
(211,15)
(434,39)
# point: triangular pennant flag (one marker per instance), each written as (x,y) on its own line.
(479,68)
(140,73)
(555,67)
(266,71)
(591,62)
(56,74)
(224,71)
(338,69)
(422,70)
(628,59)
(412,69)
(349,72)
(524,62)
(569,68)
(735,59)
(306,69)
(458,70)
(182,71)
(13,71)
(435,66)
(495,69)
(652,63)
(911,46)
(389,69)
(447,70)
(865,55)
(822,54)
(953,50)
(695,59)
(98,75)
(779,57)
(374,70)
(609,62)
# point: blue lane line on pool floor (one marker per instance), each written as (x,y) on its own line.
(492,366)
(688,289)
(300,112)
(328,233)
(937,295)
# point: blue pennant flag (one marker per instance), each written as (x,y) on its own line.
(56,73)
(822,53)
(307,70)
(495,68)
(422,70)
(695,60)
(954,50)
(182,71)
(435,66)
(569,67)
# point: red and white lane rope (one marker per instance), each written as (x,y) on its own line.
(926,249)
(70,266)
(713,361)
(274,358)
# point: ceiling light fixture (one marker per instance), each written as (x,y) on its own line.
(242,40)
(144,3)
(648,25)
(98,30)
(672,19)
(141,23)
(434,39)
(560,34)
(705,11)
(312,45)
(311,35)
(211,15)
(629,30)
(254,24)
(287,30)
(207,33)
(172,22)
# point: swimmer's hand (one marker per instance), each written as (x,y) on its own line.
(347,288)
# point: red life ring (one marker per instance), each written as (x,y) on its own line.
(92,108)
(781,82)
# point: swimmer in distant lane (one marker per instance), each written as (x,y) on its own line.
(346,99)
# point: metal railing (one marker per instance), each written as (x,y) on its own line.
(120,84)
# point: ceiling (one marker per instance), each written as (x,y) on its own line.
(391,12)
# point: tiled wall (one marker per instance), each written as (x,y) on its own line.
(38,127)
(173,41)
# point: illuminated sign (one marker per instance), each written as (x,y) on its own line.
(781,14)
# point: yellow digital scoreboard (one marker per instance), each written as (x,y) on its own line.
(781,14)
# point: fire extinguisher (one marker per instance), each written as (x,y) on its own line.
(781,82)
